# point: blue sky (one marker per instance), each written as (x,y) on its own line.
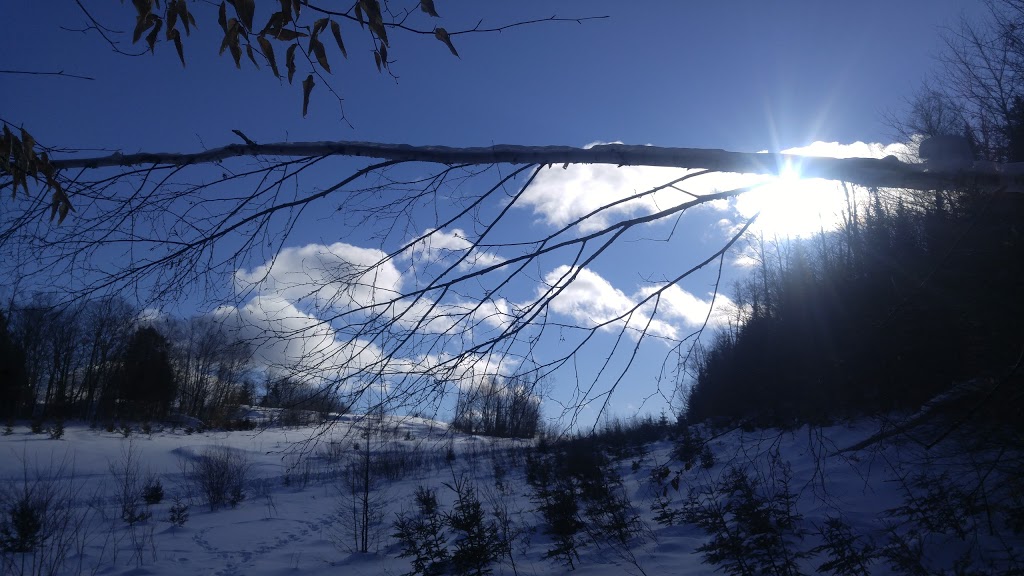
(743,76)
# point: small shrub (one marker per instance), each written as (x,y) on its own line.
(126,430)
(57,431)
(753,526)
(422,536)
(189,430)
(21,526)
(109,426)
(689,447)
(153,491)
(219,475)
(449,455)
(848,554)
(177,515)
(36,426)
(147,428)
(707,457)
(9,428)
(477,545)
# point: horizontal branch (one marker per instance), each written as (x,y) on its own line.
(870,172)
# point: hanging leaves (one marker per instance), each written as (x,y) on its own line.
(317,48)
(289,61)
(336,30)
(287,34)
(175,36)
(428,7)
(442,35)
(18,159)
(222,18)
(282,25)
(231,40)
(307,87)
(151,37)
(245,10)
(268,53)
(248,52)
(374,19)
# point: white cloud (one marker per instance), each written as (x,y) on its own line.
(340,276)
(288,340)
(678,303)
(561,195)
(440,245)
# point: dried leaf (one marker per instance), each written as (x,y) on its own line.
(141,25)
(287,34)
(319,26)
(236,53)
(307,87)
(442,35)
(151,38)
(172,18)
(230,36)
(376,58)
(428,7)
(175,37)
(192,21)
(289,61)
(336,30)
(143,7)
(359,14)
(245,9)
(222,18)
(374,19)
(276,21)
(28,145)
(321,54)
(268,53)
(181,7)
(384,56)
(248,52)
(296,7)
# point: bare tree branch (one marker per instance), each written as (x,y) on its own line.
(57,73)
(868,172)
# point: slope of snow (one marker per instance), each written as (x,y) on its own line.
(295,517)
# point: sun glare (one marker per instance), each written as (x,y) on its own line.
(792,206)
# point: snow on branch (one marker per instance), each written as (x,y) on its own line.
(869,172)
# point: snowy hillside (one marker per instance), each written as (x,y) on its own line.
(760,500)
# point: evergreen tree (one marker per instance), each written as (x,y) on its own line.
(13,381)
(148,386)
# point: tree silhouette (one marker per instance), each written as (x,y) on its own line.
(148,385)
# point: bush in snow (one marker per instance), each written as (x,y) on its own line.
(153,491)
(57,431)
(848,554)
(422,535)
(178,513)
(753,525)
(219,475)
(477,544)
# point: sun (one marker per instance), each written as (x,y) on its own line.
(792,206)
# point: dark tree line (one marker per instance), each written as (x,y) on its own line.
(916,291)
(507,408)
(99,362)
(898,305)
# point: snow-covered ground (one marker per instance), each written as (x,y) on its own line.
(297,513)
